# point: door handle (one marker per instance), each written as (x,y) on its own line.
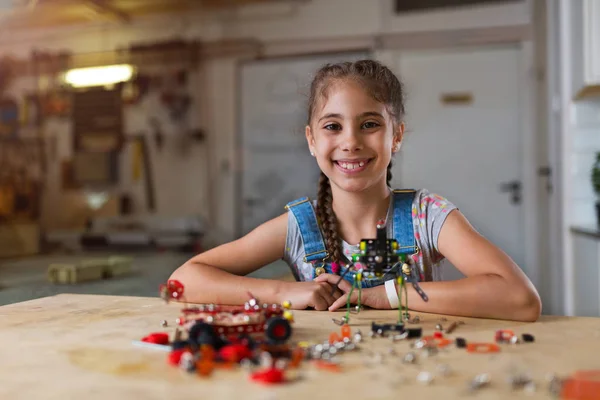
(514,188)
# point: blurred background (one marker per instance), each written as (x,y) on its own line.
(136,133)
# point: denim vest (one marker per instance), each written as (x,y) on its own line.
(314,245)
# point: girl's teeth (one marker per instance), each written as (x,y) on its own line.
(351,166)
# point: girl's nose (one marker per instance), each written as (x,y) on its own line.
(351,140)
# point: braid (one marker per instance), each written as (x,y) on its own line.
(328,220)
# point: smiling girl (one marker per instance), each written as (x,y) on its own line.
(355,125)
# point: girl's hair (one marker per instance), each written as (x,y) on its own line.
(383,86)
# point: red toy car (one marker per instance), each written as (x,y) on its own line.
(217,325)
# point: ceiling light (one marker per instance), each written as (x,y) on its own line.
(99,76)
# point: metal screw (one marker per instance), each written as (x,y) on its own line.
(439,327)
(480,381)
(425,377)
(164,323)
(409,358)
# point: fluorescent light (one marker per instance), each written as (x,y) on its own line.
(99,76)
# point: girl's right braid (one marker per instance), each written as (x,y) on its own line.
(328,220)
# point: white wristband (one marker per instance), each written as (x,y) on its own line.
(392,293)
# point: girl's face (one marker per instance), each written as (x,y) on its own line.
(352,137)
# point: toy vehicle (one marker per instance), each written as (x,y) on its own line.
(217,325)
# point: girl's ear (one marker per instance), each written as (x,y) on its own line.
(398,135)
(310,140)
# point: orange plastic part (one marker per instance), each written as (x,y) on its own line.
(504,335)
(438,342)
(297,357)
(583,385)
(346,331)
(483,348)
(205,367)
(207,352)
(334,337)
(329,366)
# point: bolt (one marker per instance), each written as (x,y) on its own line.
(164,323)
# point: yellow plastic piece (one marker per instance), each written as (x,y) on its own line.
(287,304)
(363,245)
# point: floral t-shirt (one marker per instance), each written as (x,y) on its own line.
(429,211)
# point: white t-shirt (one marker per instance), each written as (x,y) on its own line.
(429,211)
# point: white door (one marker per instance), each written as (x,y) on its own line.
(277,166)
(463,138)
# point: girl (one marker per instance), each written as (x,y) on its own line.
(354,127)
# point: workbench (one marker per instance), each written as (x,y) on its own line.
(80,347)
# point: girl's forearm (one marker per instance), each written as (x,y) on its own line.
(206,284)
(484,296)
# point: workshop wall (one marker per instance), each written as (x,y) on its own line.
(194,176)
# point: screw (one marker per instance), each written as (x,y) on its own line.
(164,323)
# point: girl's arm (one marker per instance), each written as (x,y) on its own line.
(494,287)
(217,276)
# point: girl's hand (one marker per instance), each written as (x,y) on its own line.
(318,295)
(372,297)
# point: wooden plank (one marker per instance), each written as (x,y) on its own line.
(74,346)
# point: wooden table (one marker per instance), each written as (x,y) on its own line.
(80,347)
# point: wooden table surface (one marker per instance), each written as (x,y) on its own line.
(80,347)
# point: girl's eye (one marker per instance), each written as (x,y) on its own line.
(333,127)
(370,125)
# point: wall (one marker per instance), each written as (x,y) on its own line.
(314,19)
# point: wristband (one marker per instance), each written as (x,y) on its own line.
(392,294)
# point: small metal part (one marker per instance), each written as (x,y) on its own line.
(444,369)
(555,385)
(479,381)
(350,347)
(339,345)
(333,351)
(186,362)
(514,340)
(431,351)
(357,337)
(281,363)
(358,308)
(246,318)
(164,323)
(210,319)
(419,344)
(247,364)
(346,340)
(518,381)
(265,359)
(178,321)
(409,358)
(326,346)
(452,327)
(439,327)
(425,377)
(252,302)
(415,320)
(530,387)
(211,307)
(402,336)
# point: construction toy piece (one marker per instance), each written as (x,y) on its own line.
(157,338)
(483,348)
(381,258)
(528,337)
(268,376)
(461,343)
